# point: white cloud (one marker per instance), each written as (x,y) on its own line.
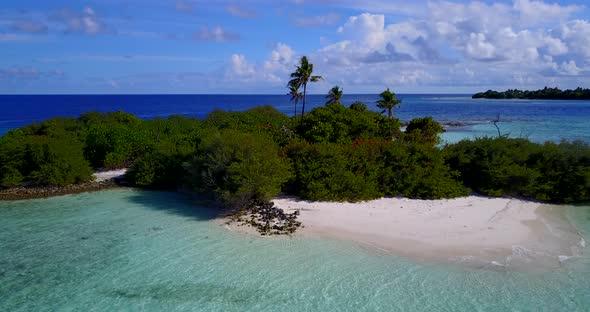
(538,12)
(569,68)
(86,22)
(555,46)
(281,58)
(273,71)
(494,44)
(576,34)
(477,47)
(215,34)
(240,68)
(366,28)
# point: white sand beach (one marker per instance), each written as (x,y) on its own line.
(495,230)
(102,176)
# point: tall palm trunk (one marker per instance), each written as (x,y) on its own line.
(390,126)
(303,105)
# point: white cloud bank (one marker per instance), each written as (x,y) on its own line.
(449,46)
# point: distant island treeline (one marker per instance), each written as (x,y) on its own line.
(543,94)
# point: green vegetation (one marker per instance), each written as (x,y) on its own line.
(339,153)
(424,130)
(358,106)
(334,96)
(368,169)
(388,102)
(544,94)
(300,78)
(335,123)
(237,167)
(295,97)
(516,167)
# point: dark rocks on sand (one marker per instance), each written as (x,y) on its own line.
(267,219)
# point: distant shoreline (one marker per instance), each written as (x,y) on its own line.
(104,180)
(578,94)
(24,193)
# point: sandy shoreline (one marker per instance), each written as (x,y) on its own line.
(498,231)
(103,180)
(102,176)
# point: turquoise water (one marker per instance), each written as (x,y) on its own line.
(549,128)
(129,250)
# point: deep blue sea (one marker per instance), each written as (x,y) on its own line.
(534,119)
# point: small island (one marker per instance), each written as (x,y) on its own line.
(543,94)
(342,171)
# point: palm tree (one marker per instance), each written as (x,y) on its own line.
(388,101)
(334,96)
(300,77)
(295,96)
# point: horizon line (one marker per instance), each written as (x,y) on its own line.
(225,94)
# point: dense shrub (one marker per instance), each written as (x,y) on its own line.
(157,170)
(564,172)
(328,171)
(237,167)
(358,106)
(58,163)
(339,154)
(419,171)
(114,140)
(424,130)
(338,124)
(59,151)
(494,166)
(518,167)
(41,160)
(369,169)
(260,120)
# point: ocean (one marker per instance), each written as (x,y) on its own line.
(536,120)
(133,250)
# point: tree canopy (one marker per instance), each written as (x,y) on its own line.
(543,94)
(334,96)
(302,75)
(339,153)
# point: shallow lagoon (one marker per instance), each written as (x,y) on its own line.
(152,251)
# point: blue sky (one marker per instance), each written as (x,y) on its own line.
(237,47)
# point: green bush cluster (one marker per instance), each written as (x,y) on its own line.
(261,120)
(237,167)
(338,153)
(48,154)
(424,130)
(337,124)
(368,169)
(62,151)
(517,167)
